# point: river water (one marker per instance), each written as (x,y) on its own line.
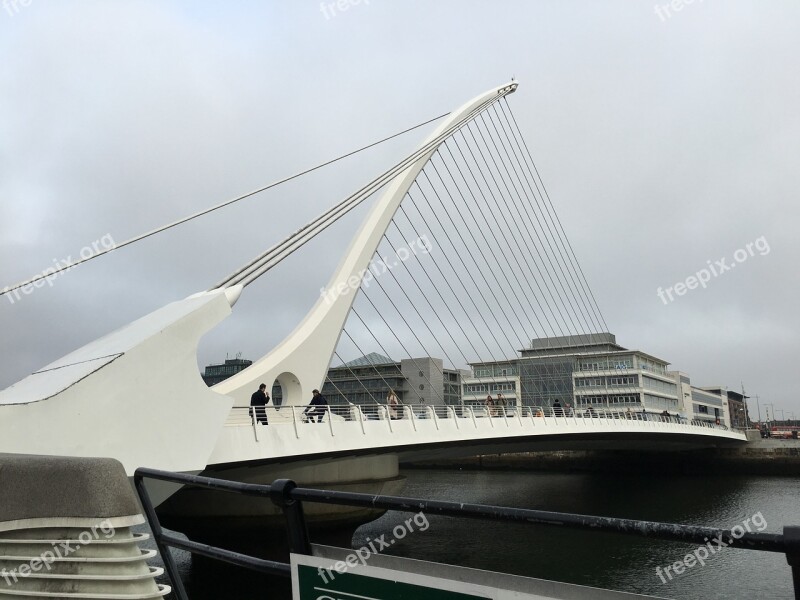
(588,558)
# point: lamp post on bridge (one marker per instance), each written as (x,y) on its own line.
(746,413)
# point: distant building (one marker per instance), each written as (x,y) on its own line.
(213,374)
(593,370)
(709,404)
(736,407)
(368,380)
(579,370)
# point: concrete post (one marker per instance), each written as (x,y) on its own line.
(65,530)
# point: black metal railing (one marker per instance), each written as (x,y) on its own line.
(285,494)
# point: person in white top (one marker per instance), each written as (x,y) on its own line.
(394,405)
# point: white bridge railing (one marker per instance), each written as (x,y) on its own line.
(459,417)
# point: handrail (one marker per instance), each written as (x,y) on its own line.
(285,494)
(588,417)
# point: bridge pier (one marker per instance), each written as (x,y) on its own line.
(252,524)
(65,531)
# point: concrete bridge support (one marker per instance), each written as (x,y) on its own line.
(65,531)
(216,517)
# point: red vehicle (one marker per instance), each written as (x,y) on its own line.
(784,432)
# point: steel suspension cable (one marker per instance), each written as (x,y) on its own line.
(532,250)
(550,271)
(497,260)
(574,279)
(380,314)
(435,313)
(515,221)
(455,294)
(516,224)
(216,207)
(469,273)
(268,259)
(505,238)
(588,316)
(491,249)
(467,247)
(567,293)
(386,353)
(555,214)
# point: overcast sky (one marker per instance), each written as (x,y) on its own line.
(666,140)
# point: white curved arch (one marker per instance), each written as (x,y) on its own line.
(302,358)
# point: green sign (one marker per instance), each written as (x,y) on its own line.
(315,582)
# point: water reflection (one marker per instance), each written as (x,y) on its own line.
(586,558)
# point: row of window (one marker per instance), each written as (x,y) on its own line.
(627,380)
(476,388)
(706,410)
(495,371)
(659,403)
(699,396)
(605,400)
(605,364)
(654,367)
(223,370)
(665,387)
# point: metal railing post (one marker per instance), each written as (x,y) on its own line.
(253,419)
(163,549)
(294,422)
(791,537)
(435,418)
(385,411)
(296,529)
(472,412)
(330,418)
(455,417)
(361,419)
(413,417)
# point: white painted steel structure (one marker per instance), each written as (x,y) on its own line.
(301,361)
(136,394)
(428,431)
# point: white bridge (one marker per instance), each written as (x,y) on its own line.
(136,395)
(424,431)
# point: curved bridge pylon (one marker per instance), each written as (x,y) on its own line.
(300,362)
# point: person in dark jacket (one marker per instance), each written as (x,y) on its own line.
(557,409)
(259,401)
(316,407)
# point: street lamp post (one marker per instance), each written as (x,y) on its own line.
(746,415)
(773,413)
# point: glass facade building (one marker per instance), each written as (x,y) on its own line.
(581,371)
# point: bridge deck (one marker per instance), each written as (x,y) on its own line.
(421,431)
